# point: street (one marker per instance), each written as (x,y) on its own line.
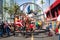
(41,36)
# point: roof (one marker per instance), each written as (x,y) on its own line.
(53,5)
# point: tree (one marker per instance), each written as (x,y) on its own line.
(15,9)
(39,11)
(42,2)
(5,8)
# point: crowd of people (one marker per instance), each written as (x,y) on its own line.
(5,28)
(30,24)
(22,24)
(26,23)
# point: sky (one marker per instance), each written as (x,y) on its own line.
(22,1)
(45,6)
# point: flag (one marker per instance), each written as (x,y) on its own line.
(28,8)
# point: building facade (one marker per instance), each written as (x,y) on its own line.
(1,10)
(54,10)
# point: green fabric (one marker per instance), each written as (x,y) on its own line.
(36,23)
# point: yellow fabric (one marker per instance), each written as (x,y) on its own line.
(52,22)
(59,30)
(16,19)
(40,23)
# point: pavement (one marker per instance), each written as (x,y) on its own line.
(41,36)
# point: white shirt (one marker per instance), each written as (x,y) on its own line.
(31,15)
(58,18)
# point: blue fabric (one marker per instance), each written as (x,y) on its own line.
(28,8)
(7,30)
(54,25)
(50,26)
(36,23)
(1,32)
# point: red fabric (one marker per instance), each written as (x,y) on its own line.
(55,4)
(56,30)
(19,23)
(31,26)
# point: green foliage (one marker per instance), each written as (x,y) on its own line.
(5,8)
(15,9)
(10,11)
(42,2)
(39,10)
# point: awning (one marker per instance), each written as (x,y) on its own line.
(53,5)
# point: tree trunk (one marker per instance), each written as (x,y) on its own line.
(42,10)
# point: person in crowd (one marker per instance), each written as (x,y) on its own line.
(14,27)
(40,24)
(3,26)
(54,25)
(51,33)
(27,22)
(11,27)
(1,29)
(58,26)
(37,25)
(7,28)
(32,26)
